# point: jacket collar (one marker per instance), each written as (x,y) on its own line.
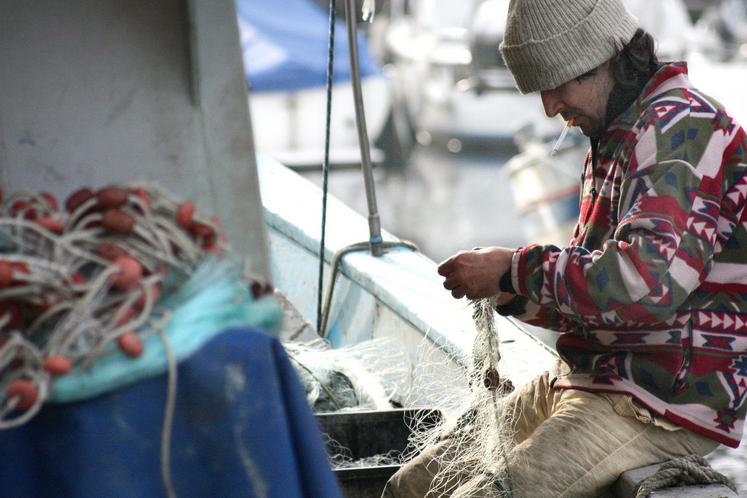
(669,76)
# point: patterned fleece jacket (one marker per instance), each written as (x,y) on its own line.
(651,293)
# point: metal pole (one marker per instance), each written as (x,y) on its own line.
(374,224)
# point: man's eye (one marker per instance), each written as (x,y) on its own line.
(586,76)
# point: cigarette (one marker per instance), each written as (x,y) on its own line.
(563,133)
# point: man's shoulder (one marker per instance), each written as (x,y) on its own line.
(686,109)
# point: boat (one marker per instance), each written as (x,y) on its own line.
(178,117)
(453,48)
(286,65)
(386,289)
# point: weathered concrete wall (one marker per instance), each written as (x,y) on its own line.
(94,92)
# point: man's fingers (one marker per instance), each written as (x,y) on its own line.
(445,267)
(450,284)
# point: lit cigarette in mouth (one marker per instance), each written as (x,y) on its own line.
(563,133)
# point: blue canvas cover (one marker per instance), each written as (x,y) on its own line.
(242,427)
(285,45)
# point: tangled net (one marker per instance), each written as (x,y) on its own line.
(79,282)
(477,441)
(365,376)
(472,427)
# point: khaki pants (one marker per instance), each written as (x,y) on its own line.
(569,443)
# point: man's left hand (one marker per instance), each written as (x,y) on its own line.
(476,273)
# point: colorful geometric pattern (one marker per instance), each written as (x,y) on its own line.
(651,293)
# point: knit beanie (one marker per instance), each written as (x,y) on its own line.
(550,42)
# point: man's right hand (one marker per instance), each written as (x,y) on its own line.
(475,274)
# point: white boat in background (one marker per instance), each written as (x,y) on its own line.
(450,76)
(286,65)
(545,188)
(292,127)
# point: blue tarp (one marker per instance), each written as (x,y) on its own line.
(285,44)
(242,427)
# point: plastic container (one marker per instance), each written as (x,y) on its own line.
(366,434)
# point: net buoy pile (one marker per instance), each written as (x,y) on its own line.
(79,278)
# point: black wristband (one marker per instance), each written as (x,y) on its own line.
(505,284)
(516,306)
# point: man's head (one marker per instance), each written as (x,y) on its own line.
(562,49)
(583,99)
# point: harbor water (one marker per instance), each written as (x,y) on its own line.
(446,202)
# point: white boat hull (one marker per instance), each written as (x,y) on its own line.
(398,295)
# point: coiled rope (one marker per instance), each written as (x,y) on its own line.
(683,471)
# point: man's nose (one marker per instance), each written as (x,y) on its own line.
(552,102)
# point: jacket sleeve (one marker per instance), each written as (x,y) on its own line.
(542,316)
(520,307)
(663,244)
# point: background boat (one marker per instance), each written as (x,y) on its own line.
(285,49)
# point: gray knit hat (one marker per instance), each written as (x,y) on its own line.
(549,42)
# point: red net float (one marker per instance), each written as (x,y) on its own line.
(25,391)
(129,272)
(110,251)
(52,224)
(22,207)
(185,213)
(6,274)
(143,196)
(77,198)
(130,344)
(118,222)
(57,365)
(112,197)
(51,201)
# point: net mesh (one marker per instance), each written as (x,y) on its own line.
(473,432)
(475,438)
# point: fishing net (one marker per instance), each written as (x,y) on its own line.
(476,436)
(472,423)
(80,283)
(371,375)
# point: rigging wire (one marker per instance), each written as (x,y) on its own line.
(325,164)
(375,243)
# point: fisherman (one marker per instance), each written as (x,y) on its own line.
(650,295)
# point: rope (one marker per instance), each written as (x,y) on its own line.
(325,165)
(168,418)
(78,279)
(683,471)
(487,333)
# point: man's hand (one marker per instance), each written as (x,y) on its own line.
(476,273)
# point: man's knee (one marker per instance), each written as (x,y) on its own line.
(390,491)
(414,478)
(410,481)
